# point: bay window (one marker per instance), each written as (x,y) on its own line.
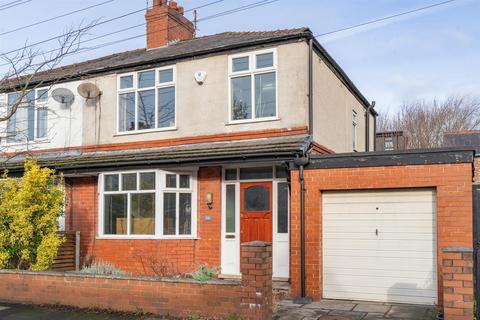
(151,203)
(29,122)
(146,100)
(253,86)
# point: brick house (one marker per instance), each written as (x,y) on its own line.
(197,145)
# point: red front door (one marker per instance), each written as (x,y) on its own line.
(256,211)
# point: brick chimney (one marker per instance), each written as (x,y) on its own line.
(166,23)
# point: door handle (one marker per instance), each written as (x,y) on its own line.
(376,232)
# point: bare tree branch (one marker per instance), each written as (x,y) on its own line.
(425,122)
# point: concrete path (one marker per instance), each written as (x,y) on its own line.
(352,310)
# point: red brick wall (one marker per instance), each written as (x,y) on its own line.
(256,268)
(458,283)
(453,183)
(137,256)
(476,174)
(251,299)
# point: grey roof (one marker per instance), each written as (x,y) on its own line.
(186,49)
(182,49)
(280,148)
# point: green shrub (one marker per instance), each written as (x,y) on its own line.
(204,273)
(29,211)
(103,269)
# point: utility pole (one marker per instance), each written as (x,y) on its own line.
(194,23)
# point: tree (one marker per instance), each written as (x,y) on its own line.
(29,210)
(425,122)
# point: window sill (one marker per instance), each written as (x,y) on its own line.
(234,122)
(145,238)
(128,133)
(26,143)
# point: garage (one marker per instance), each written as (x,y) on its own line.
(380,245)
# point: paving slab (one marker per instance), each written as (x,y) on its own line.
(408,312)
(353,310)
(372,308)
(375,316)
(330,305)
(347,315)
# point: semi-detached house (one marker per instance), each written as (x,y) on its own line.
(193,146)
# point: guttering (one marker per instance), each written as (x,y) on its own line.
(301,162)
(310,87)
(367,126)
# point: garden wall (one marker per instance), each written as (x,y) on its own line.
(251,298)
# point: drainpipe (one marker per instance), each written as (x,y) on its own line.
(367,126)
(310,88)
(300,162)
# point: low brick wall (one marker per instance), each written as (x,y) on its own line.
(251,298)
(458,283)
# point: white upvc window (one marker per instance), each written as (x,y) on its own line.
(354,130)
(147,204)
(147,100)
(253,86)
(29,122)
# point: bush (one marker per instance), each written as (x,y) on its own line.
(103,269)
(204,273)
(29,210)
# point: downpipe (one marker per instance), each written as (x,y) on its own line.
(301,162)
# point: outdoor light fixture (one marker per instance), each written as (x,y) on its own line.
(209,199)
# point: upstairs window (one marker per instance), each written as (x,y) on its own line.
(29,122)
(253,86)
(146,100)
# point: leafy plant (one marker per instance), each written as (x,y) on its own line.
(104,269)
(204,273)
(29,210)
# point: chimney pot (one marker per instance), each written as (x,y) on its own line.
(173,4)
(181,10)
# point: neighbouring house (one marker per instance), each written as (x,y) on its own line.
(197,145)
(390,140)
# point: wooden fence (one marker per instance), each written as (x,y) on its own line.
(68,254)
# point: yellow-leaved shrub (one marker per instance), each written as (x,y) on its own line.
(29,210)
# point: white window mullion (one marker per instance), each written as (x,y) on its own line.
(254,106)
(159,205)
(128,213)
(177,210)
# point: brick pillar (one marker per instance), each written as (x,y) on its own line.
(458,283)
(256,268)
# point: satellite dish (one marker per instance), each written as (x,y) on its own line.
(88,90)
(63,95)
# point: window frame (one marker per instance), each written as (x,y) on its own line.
(160,189)
(135,89)
(252,72)
(354,130)
(37,106)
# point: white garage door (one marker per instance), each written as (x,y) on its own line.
(380,246)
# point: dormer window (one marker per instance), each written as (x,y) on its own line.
(146,100)
(29,122)
(253,86)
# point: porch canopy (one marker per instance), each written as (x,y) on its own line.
(73,162)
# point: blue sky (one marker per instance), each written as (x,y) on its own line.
(430,54)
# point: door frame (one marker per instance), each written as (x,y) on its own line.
(231,247)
